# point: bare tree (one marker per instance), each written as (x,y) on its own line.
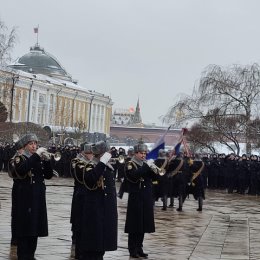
(80,127)
(200,138)
(233,92)
(8,130)
(7,42)
(3,112)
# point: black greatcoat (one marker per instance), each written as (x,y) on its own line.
(140,215)
(163,181)
(99,219)
(31,211)
(197,186)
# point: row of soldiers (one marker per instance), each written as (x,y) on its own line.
(176,177)
(233,173)
(239,174)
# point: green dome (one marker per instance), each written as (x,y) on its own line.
(37,61)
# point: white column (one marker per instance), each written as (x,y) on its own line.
(47,102)
(102,118)
(36,107)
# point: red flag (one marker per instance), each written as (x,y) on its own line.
(35,30)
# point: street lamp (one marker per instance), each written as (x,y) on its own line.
(89,115)
(73,104)
(15,78)
(29,102)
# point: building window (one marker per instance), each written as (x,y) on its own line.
(42,98)
(34,95)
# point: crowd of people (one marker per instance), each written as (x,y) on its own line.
(95,169)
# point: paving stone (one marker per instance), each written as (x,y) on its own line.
(227,228)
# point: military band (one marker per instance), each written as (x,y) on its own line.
(95,169)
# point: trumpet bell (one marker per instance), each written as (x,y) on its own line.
(121,159)
(47,156)
(57,156)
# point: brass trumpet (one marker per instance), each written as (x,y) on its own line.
(47,156)
(156,169)
(120,159)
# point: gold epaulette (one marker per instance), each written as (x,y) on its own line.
(79,170)
(16,162)
(11,170)
(100,183)
(128,167)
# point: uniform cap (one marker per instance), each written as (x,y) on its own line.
(140,147)
(162,153)
(100,147)
(130,151)
(18,145)
(28,138)
(88,148)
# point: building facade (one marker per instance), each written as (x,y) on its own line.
(37,89)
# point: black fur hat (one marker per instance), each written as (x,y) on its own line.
(28,138)
(100,147)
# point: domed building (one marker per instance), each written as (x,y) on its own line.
(37,89)
(40,62)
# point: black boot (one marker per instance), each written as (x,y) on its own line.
(164,200)
(200,202)
(171,202)
(180,204)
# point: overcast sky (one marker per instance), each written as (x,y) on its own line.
(151,49)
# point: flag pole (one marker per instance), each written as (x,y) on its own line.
(38,35)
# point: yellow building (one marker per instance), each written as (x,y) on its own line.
(37,89)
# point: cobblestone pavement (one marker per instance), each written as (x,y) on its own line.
(227,228)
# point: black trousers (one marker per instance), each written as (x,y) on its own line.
(92,255)
(135,243)
(26,247)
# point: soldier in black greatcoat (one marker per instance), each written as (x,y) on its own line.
(31,212)
(120,165)
(140,215)
(231,173)
(7,155)
(196,186)
(254,171)
(66,158)
(205,171)
(99,213)
(162,187)
(178,170)
(78,167)
(1,156)
(114,154)
(11,172)
(123,187)
(243,174)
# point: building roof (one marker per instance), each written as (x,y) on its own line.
(38,61)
